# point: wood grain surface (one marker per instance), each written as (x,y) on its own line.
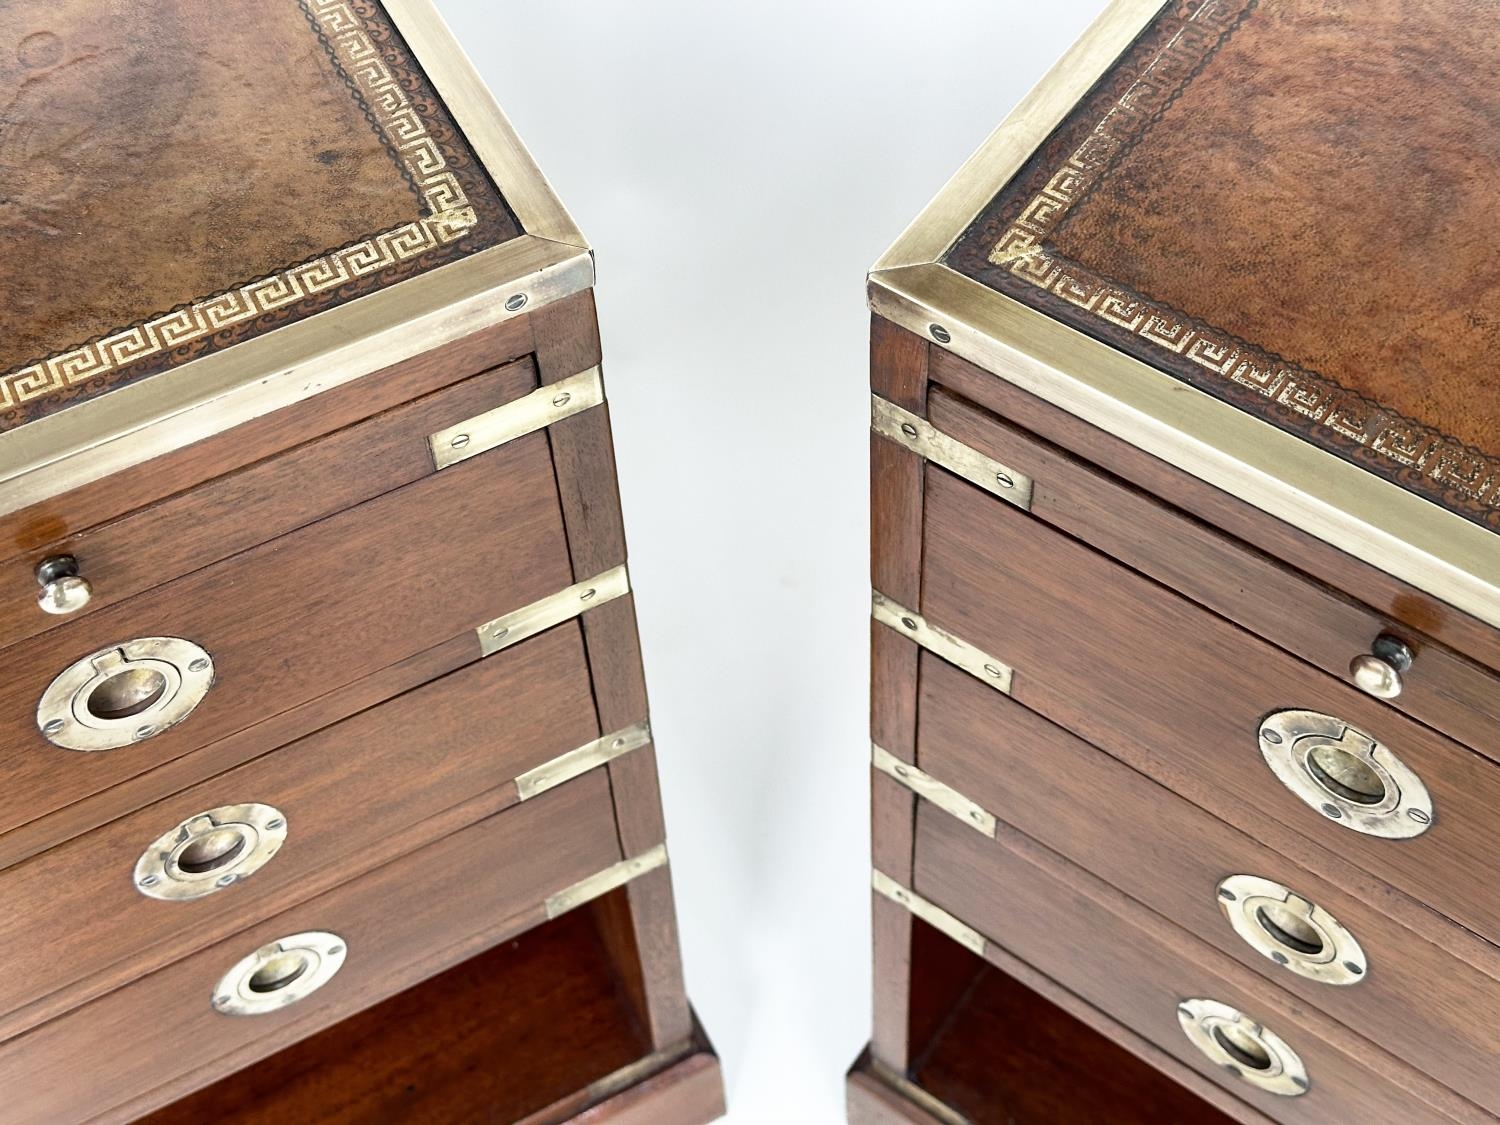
(1422,1004)
(157,1038)
(1137,967)
(1180,694)
(303,615)
(1235,580)
(350,794)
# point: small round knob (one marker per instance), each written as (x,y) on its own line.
(64,590)
(1378,672)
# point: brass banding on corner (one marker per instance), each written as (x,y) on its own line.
(539,616)
(930,789)
(924,439)
(935,916)
(567,766)
(611,878)
(535,411)
(940,642)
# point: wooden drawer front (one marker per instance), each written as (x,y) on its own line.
(193,529)
(353,795)
(1181,694)
(1310,620)
(401,923)
(302,615)
(1136,968)
(1416,1000)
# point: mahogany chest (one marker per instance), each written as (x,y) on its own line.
(1186,637)
(328,790)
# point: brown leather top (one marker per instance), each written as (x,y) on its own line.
(176,176)
(1290,205)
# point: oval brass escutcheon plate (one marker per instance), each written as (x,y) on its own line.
(1345,774)
(1247,1049)
(1298,935)
(281,973)
(124,694)
(210,851)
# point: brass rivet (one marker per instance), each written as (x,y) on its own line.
(908,429)
(562,399)
(198,665)
(1004,480)
(516,302)
(459,441)
(940,334)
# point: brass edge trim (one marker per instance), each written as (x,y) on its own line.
(217,392)
(1011,144)
(532,412)
(1435,550)
(924,439)
(567,766)
(934,916)
(595,886)
(482,121)
(530,620)
(915,1094)
(929,788)
(979,664)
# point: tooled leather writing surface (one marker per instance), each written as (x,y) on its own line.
(1288,203)
(160,155)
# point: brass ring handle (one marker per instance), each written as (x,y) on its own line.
(64,589)
(1379,671)
(210,851)
(280,973)
(1286,928)
(1345,774)
(124,694)
(1244,1047)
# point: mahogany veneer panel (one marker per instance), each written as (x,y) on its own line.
(260,502)
(1135,967)
(402,922)
(1433,1009)
(351,794)
(300,616)
(496,1038)
(1180,694)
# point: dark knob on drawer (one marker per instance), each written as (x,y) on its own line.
(1378,672)
(64,589)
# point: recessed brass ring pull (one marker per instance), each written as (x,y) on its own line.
(1345,774)
(1298,935)
(1248,1050)
(281,973)
(124,694)
(210,851)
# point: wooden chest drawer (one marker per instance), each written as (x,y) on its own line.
(398,924)
(1138,969)
(213,521)
(302,615)
(1306,618)
(1402,992)
(1183,696)
(105,906)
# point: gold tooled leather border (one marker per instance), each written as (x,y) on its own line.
(1007,249)
(459,211)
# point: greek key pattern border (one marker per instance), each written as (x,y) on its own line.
(1404,443)
(447,217)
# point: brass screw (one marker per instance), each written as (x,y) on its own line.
(940,334)
(460,441)
(908,622)
(1004,481)
(908,429)
(198,665)
(562,399)
(587,594)
(994,671)
(53,726)
(516,303)
(1419,816)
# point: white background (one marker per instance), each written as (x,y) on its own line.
(737,168)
